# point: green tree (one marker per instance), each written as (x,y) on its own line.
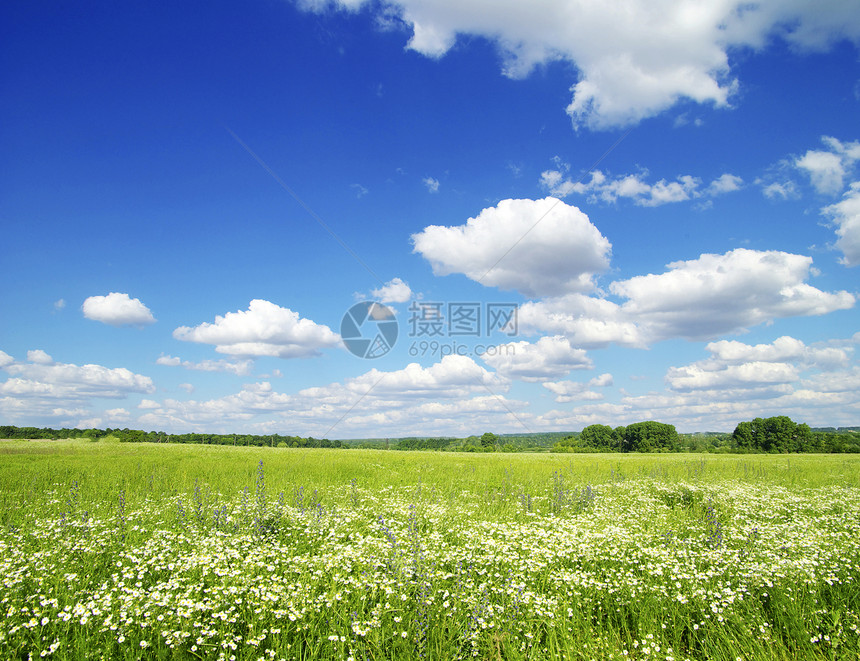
(650,436)
(597,436)
(743,436)
(489,440)
(777,434)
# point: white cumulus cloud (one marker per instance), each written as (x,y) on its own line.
(827,169)
(696,299)
(572,391)
(538,247)
(453,376)
(264,329)
(634,58)
(752,374)
(5,359)
(43,388)
(39,357)
(588,322)
(393,291)
(782,349)
(603,187)
(818,384)
(717,294)
(725,183)
(548,358)
(846,215)
(117,309)
(735,365)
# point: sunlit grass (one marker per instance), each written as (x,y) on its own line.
(145,551)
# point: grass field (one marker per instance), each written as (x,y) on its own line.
(125,551)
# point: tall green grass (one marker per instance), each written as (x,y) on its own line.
(173,551)
(100,467)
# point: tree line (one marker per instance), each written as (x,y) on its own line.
(140,436)
(776,434)
(647,436)
(782,434)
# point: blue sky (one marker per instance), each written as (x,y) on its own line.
(194,194)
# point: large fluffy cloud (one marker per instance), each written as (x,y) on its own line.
(782,349)
(41,389)
(735,365)
(264,329)
(117,309)
(755,373)
(635,58)
(717,294)
(68,381)
(587,321)
(548,358)
(538,247)
(697,299)
(452,377)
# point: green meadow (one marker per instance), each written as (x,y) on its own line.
(130,551)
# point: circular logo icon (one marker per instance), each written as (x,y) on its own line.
(369,329)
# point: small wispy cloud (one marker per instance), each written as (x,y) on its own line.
(635,187)
(239,368)
(778,190)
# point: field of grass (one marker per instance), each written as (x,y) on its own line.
(125,551)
